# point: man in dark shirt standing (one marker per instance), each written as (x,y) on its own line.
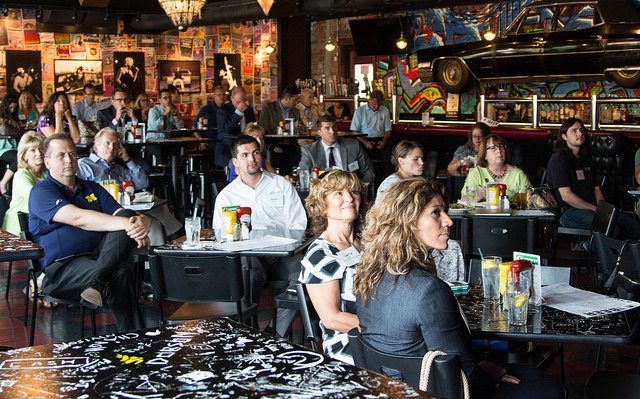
(87,237)
(572,176)
(232,118)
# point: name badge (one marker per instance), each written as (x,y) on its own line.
(580,174)
(353,166)
(349,255)
(275,199)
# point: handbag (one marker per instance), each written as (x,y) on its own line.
(627,288)
(542,198)
(9,128)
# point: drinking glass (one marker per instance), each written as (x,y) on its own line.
(304,180)
(491,278)
(521,197)
(518,301)
(471,196)
(192,230)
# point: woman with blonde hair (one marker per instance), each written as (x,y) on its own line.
(336,205)
(405,309)
(31,170)
(256,131)
(27,106)
(143,105)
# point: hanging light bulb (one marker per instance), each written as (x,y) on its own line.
(269,48)
(329,46)
(401,43)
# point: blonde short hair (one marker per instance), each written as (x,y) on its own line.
(29,140)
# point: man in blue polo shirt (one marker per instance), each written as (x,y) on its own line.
(87,237)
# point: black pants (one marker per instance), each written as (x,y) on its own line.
(10,158)
(67,278)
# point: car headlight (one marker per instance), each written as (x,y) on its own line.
(424,65)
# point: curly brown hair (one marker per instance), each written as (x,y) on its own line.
(390,238)
(329,182)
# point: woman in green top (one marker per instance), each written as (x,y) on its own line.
(493,167)
(27,107)
(31,170)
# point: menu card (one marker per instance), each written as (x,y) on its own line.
(583,303)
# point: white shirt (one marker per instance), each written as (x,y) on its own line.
(274,203)
(336,154)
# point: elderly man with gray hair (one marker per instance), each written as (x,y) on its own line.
(110,161)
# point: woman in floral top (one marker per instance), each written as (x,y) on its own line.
(56,118)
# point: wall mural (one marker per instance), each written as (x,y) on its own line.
(446,26)
(242,41)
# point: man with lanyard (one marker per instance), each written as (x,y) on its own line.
(571,174)
(87,237)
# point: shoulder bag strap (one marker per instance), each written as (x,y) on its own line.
(612,276)
(425,372)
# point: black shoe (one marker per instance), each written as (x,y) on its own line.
(93,293)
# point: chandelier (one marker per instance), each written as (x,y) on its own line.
(182,12)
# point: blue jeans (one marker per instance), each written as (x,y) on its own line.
(627,227)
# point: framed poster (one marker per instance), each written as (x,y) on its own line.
(24,73)
(70,76)
(227,68)
(185,75)
(128,69)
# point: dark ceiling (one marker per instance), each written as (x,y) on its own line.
(58,15)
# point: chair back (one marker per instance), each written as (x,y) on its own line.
(608,250)
(4,206)
(445,379)
(605,218)
(499,236)
(23,220)
(196,279)
(310,319)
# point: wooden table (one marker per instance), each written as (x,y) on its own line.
(13,248)
(198,359)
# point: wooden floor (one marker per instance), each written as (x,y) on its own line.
(63,324)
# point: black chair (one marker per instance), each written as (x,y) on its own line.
(4,206)
(445,379)
(33,271)
(499,236)
(310,319)
(609,384)
(608,250)
(210,286)
(604,221)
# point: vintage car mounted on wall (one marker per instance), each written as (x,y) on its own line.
(547,41)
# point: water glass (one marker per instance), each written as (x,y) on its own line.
(304,179)
(491,278)
(518,301)
(192,230)
(472,193)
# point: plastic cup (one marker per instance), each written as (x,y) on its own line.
(491,278)
(192,230)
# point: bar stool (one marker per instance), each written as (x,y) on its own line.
(160,185)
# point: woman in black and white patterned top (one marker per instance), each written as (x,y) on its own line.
(336,204)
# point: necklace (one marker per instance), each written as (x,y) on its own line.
(496,177)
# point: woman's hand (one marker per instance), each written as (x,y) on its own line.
(482,193)
(68,115)
(497,372)
(59,109)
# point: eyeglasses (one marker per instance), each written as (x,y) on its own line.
(499,147)
(124,99)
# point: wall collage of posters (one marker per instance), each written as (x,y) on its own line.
(194,60)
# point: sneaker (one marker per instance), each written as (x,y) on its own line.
(92,295)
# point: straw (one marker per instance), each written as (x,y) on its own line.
(480,251)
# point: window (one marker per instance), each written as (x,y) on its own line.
(579,16)
(537,20)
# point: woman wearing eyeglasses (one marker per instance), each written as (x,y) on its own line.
(493,167)
(466,153)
